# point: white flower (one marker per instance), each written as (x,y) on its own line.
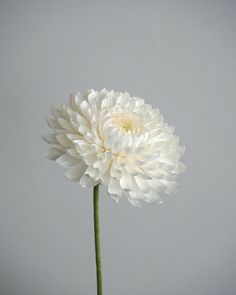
(111,138)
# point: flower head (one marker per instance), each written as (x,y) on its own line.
(111,138)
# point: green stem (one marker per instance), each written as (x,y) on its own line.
(97,238)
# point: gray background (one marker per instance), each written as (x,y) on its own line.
(179,56)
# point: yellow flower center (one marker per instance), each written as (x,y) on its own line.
(128,122)
(125,124)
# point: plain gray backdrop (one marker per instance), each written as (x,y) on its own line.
(178,55)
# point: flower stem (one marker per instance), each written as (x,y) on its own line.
(97,238)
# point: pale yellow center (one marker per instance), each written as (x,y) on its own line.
(129,123)
(125,124)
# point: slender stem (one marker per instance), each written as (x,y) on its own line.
(97,238)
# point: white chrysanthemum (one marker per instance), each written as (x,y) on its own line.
(111,138)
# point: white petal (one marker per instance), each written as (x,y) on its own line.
(115,198)
(93,172)
(75,173)
(73,137)
(73,152)
(87,181)
(82,146)
(67,161)
(53,154)
(171,187)
(63,140)
(134,202)
(106,177)
(142,184)
(126,182)
(114,187)
(181,150)
(50,138)
(180,167)
(89,158)
(66,125)
(53,123)
(153,198)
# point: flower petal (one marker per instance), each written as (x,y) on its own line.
(75,173)
(87,181)
(67,161)
(53,154)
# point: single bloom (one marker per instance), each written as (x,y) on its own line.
(111,138)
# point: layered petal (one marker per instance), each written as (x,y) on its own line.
(111,138)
